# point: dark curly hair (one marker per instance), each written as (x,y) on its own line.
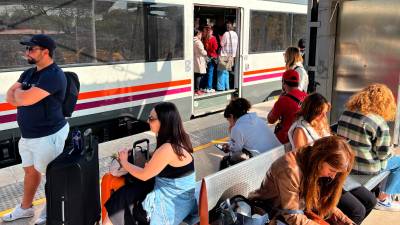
(237,108)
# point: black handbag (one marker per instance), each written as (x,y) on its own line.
(239,211)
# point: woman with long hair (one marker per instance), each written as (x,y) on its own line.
(294,61)
(364,124)
(311,125)
(199,60)
(172,197)
(308,181)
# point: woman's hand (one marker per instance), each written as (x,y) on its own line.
(123,156)
(225,148)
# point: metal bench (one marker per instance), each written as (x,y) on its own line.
(239,179)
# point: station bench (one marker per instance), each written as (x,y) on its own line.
(239,179)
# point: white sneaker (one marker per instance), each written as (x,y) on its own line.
(18,213)
(387,205)
(41,220)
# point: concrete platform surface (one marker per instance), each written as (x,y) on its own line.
(202,130)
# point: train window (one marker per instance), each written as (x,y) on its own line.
(299,27)
(269,31)
(273,31)
(165,32)
(93,32)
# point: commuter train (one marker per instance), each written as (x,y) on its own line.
(130,55)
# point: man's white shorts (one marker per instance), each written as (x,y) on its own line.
(39,152)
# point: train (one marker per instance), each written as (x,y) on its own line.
(131,55)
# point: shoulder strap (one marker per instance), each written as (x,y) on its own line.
(296,67)
(298,101)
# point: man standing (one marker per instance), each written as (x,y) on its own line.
(38,95)
(287,106)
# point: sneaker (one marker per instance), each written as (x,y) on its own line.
(387,205)
(41,220)
(18,213)
(210,90)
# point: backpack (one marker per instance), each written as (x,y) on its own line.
(71,94)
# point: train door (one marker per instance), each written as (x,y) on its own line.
(214,21)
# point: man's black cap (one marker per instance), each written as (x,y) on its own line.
(41,40)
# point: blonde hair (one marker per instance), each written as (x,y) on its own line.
(377,99)
(292,56)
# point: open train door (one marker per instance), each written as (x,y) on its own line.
(216,17)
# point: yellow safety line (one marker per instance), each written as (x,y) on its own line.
(201,147)
(36,202)
(198,148)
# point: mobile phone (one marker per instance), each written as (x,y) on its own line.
(220,147)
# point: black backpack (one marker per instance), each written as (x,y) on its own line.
(71,95)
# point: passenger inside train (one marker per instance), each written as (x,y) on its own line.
(221,41)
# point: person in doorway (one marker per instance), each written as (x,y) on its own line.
(169,199)
(285,108)
(306,182)
(364,124)
(199,58)
(249,134)
(38,95)
(211,45)
(311,125)
(294,61)
(229,44)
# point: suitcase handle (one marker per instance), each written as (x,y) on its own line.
(140,142)
(88,149)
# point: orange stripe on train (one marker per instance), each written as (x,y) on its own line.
(115,91)
(252,72)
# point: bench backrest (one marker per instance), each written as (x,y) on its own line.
(239,179)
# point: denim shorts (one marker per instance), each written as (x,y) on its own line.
(39,152)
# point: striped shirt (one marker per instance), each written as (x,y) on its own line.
(369,137)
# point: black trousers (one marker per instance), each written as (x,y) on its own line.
(357,203)
(124,206)
(197,80)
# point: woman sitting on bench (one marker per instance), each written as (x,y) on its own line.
(364,125)
(249,134)
(311,125)
(304,186)
(171,198)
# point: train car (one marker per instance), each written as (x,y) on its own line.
(130,55)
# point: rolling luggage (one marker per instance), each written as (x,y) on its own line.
(72,188)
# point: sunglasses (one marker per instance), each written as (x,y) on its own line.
(31,48)
(151,118)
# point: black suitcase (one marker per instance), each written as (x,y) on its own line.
(72,188)
(138,156)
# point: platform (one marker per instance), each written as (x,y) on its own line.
(201,130)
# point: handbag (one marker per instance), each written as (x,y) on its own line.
(226,62)
(239,211)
